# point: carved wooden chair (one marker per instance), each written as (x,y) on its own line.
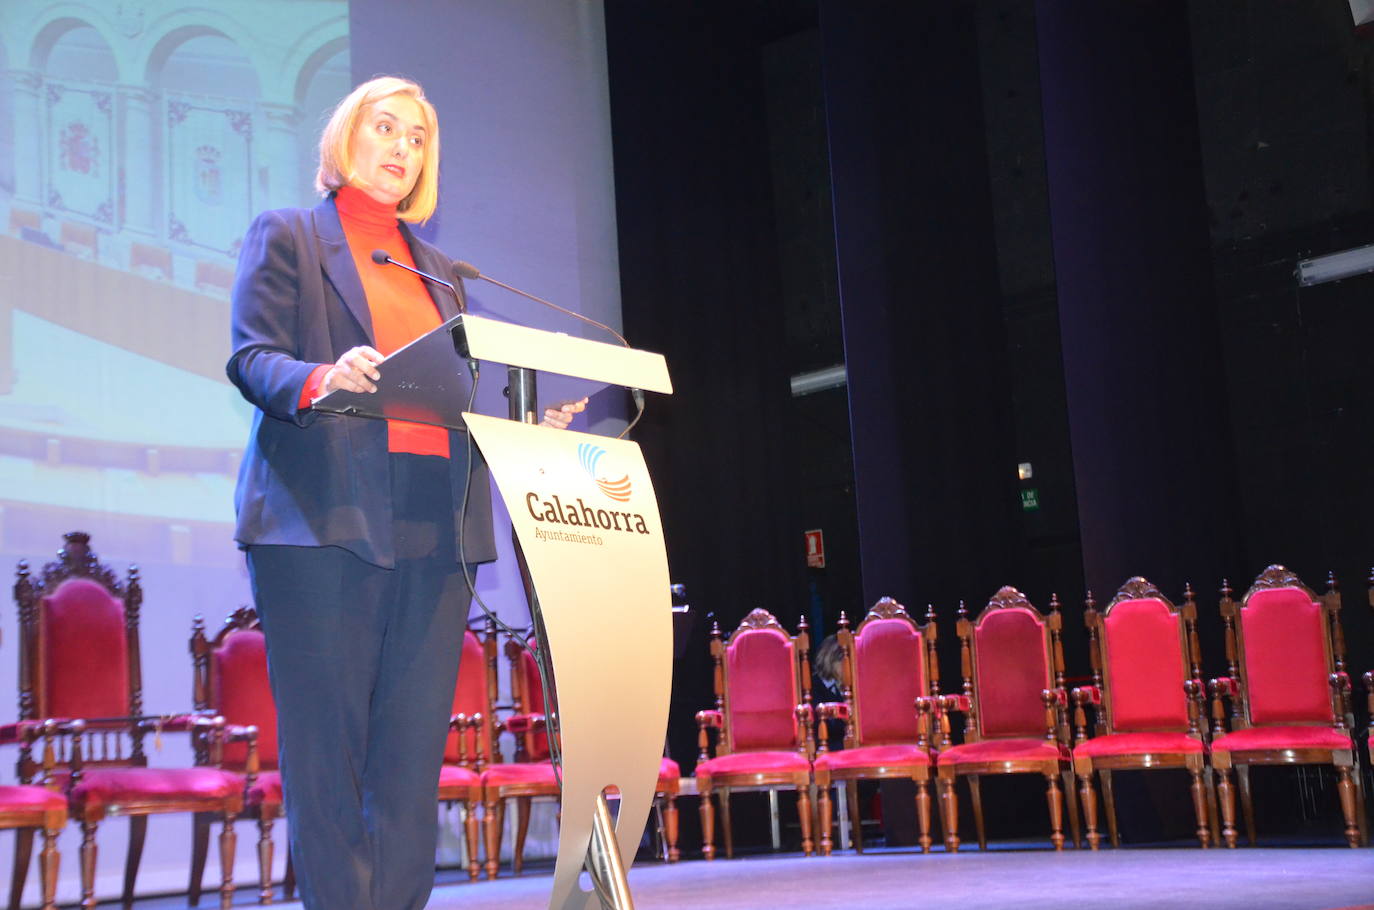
(229,679)
(887,674)
(528,723)
(27,808)
(762,720)
(1289,693)
(1015,710)
(472,731)
(79,666)
(1147,694)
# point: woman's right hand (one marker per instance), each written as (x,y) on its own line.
(355,371)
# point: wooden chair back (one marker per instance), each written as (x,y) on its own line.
(1283,642)
(1010,655)
(229,678)
(1145,652)
(527,690)
(762,677)
(889,661)
(475,695)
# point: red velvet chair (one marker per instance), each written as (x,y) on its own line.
(1148,697)
(80,659)
(1289,693)
(887,674)
(1015,710)
(531,774)
(472,731)
(229,679)
(29,808)
(762,721)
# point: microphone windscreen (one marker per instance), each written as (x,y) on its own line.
(465,270)
(380,256)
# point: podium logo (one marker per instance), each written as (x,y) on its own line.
(590,455)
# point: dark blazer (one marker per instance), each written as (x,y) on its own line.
(308,478)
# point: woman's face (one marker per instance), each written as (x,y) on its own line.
(388,148)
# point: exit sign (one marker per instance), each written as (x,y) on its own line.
(1030,500)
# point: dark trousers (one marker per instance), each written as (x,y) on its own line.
(363,662)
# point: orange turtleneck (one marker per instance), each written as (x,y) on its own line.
(401,307)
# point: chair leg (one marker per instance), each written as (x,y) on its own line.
(228,841)
(265,850)
(48,861)
(1346,787)
(725,823)
(1247,804)
(1055,797)
(856,822)
(1109,803)
(707,809)
(470,832)
(138,831)
(88,865)
(804,816)
(491,823)
(200,848)
(522,828)
(670,826)
(1071,797)
(825,819)
(1213,812)
(1088,795)
(1204,831)
(975,791)
(923,813)
(949,808)
(23,852)
(1227,797)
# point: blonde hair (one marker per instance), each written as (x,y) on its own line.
(336,159)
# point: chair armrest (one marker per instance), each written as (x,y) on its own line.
(951,704)
(805,714)
(1088,695)
(1224,687)
(1083,696)
(1221,688)
(711,718)
(1340,681)
(1056,696)
(520,724)
(833,710)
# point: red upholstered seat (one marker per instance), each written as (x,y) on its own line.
(37,799)
(519,773)
(995,750)
(1140,744)
(454,776)
(110,787)
(1269,738)
(266,790)
(753,763)
(878,757)
(669,776)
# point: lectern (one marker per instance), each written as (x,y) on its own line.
(590,541)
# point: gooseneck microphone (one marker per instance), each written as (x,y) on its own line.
(382,257)
(469,272)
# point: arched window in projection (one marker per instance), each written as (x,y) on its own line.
(323,81)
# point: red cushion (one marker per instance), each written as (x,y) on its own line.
(753,763)
(990,750)
(266,789)
(763,690)
(1012,672)
(469,698)
(1145,666)
(114,786)
(1266,738)
(30,798)
(1139,744)
(1285,658)
(522,773)
(889,673)
(243,694)
(669,775)
(85,658)
(878,757)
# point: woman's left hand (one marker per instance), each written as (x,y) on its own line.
(559,417)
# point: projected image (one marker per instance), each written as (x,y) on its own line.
(136,143)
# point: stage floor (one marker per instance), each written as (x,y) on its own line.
(1293,878)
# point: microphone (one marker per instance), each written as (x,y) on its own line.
(470,272)
(382,257)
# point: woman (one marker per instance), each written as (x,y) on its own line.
(352,526)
